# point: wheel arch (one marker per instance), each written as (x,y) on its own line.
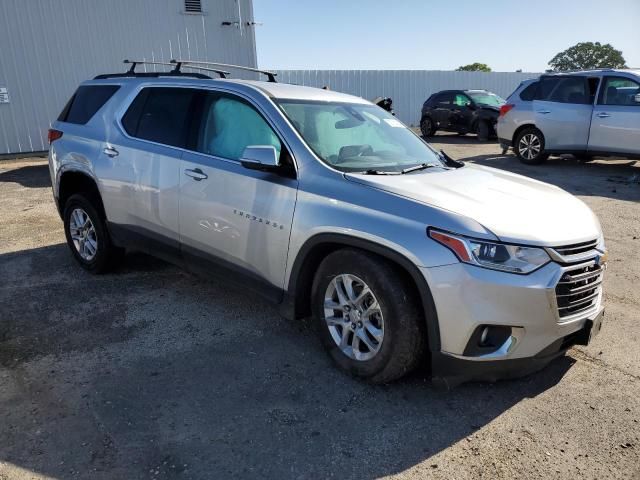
(319,246)
(520,129)
(75,181)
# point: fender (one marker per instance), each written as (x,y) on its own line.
(295,303)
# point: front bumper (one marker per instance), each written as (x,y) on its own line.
(468,298)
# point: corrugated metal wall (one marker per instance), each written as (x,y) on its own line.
(47,47)
(408,88)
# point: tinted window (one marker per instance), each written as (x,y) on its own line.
(444,99)
(563,90)
(528,93)
(545,87)
(86,102)
(619,91)
(160,115)
(229,125)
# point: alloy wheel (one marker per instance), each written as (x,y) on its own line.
(354,317)
(529,146)
(83,234)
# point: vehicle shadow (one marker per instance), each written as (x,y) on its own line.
(153,370)
(455,139)
(31,176)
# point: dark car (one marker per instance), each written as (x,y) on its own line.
(461,111)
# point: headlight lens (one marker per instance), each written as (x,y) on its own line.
(493,255)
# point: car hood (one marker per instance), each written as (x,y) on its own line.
(515,208)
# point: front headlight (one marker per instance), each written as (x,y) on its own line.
(493,255)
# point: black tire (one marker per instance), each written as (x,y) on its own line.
(427,127)
(483,131)
(530,157)
(106,255)
(404,339)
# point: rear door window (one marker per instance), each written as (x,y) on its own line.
(620,91)
(84,104)
(563,90)
(444,100)
(161,115)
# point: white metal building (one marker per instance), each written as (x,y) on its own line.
(47,47)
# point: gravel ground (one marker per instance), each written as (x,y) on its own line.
(150,372)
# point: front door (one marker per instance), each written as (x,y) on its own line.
(234,220)
(615,126)
(461,115)
(562,111)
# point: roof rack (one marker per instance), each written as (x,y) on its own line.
(271,76)
(132,73)
(177,64)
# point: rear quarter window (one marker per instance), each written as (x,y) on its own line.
(84,104)
(529,92)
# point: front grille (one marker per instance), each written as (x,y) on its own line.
(578,290)
(576,248)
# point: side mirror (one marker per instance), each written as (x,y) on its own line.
(470,106)
(260,157)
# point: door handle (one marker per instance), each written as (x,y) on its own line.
(603,115)
(544,112)
(110,152)
(196,174)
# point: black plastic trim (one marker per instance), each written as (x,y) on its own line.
(195,260)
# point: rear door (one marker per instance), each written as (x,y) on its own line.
(562,111)
(615,126)
(232,219)
(141,165)
(443,106)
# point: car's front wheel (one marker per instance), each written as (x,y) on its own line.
(368,316)
(529,146)
(87,235)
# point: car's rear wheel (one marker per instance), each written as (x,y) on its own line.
(367,316)
(427,127)
(529,146)
(87,235)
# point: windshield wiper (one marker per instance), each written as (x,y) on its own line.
(422,166)
(379,172)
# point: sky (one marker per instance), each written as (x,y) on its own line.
(438,34)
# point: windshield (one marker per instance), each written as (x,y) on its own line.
(487,98)
(358,137)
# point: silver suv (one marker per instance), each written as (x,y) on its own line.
(328,206)
(589,113)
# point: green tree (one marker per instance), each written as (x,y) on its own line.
(474,67)
(587,55)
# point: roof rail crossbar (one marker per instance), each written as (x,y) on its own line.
(177,64)
(175,72)
(271,76)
